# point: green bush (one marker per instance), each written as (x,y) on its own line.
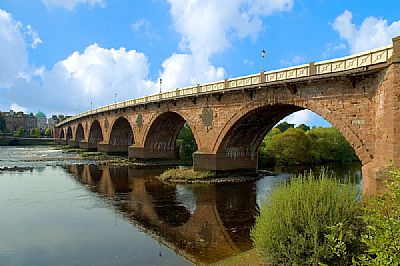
(303,220)
(187,144)
(382,217)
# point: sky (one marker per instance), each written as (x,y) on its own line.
(68,56)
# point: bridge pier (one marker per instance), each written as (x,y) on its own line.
(220,162)
(146,153)
(108,148)
(72,143)
(88,146)
(63,142)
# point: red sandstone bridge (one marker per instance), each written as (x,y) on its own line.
(357,94)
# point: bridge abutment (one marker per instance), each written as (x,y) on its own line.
(108,148)
(88,146)
(72,143)
(146,153)
(219,162)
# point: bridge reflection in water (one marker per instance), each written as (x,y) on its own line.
(204,223)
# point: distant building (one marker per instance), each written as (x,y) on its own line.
(52,121)
(41,120)
(16,120)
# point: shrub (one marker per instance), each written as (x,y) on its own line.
(382,237)
(302,220)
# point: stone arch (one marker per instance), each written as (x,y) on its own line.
(62,134)
(69,135)
(95,133)
(162,132)
(121,136)
(255,120)
(79,134)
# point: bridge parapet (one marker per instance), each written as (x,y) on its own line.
(364,59)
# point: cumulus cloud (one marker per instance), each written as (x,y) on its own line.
(179,71)
(13,52)
(373,32)
(71,4)
(96,75)
(207,28)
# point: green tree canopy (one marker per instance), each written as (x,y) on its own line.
(284,126)
(303,127)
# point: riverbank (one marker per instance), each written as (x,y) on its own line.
(247,258)
(18,141)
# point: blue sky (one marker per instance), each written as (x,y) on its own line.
(66,56)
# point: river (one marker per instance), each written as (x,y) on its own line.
(77,213)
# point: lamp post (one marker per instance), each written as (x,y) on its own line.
(115,98)
(262,55)
(160,84)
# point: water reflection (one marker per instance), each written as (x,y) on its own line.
(204,223)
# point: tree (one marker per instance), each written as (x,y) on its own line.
(187,143)
(289,147)
(20,132)
(47,132)
(35,132)
(284,126)
(2,123)
(303,127)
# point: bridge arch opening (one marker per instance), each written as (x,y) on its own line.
(121,136)
(80,134)
(62,134)
(95,135)
(170,137)
(69,133)
(245,135)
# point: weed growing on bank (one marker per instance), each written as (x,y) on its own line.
(303,220)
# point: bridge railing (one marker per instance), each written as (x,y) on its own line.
(371,57)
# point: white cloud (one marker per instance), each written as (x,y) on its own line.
(34,35)
(373,32)
(179,71)
(95,76)
(13,54)
(207,28)
(16,108)
(71,4)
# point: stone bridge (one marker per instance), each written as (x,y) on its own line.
(358,94)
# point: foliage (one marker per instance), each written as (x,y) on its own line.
(291,146)
(303,127)
(187,144)
(303,219)
(382,237)
(47,132)
(20,132)
(301,146)
(2,123)
(175,174)
(284,126)
(34,132)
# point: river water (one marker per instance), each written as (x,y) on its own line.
(77,213)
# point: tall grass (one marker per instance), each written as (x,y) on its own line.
(293,225)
